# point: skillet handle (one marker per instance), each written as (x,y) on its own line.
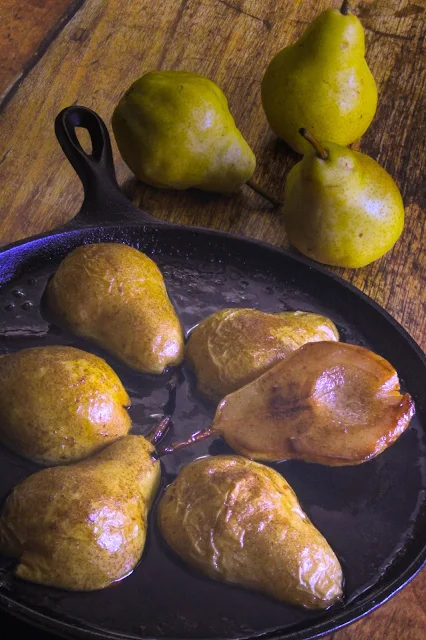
(103,199)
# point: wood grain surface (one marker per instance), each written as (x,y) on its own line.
(61,52)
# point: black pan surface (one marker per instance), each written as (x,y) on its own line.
(373,515)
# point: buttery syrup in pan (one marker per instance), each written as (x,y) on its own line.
(367,513)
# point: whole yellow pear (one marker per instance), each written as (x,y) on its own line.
(321,82)
(341,207)
(174,130)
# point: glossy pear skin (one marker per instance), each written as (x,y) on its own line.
(115,295)
(174,130)
(328,402)
(321,82)
(232,347)
(240,522)
(60,404)
(345,211)
(82,526)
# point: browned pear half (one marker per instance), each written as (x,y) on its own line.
(83,526)
(328,402)
(59,404)
(232,347)
(115,296)
(240,522)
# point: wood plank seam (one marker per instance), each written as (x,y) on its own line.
(41,50)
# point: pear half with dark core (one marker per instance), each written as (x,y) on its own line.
(331,403)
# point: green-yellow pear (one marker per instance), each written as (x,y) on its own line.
(82,526)
(240,522)
(341,207)
(321,82)
(174,130)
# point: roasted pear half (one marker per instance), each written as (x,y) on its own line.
(82,526)
(240,522)
(327,402)
(115,295)
(60,404)
(232,347)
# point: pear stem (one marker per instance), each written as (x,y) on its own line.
(264,193)
(344,9)
(159,431)
(319,149)
(196,437)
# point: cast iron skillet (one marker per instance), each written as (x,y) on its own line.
(373,515)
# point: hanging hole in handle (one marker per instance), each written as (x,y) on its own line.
(73,119)
(85,140)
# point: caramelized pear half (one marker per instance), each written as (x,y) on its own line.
(115,296)
(232,347)
(240,522)
(328,402)
(82,526)
(60,404)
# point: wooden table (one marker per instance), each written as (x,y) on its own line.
(61,52)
